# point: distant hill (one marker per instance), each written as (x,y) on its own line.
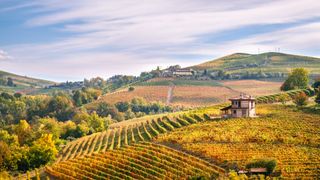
(270,62)
(22,83)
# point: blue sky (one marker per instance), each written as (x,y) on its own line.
(70,40)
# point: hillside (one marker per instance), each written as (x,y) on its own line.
(283,133)
(271,62)
(190,93)
(23,83)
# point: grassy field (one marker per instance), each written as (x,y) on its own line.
(285,134)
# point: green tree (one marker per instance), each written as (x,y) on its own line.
(4,153)
(61,107)
(49,126)
(42,151)
(297,79)
(104,109)
(37,107)
(18,110)
(122,106)
(10,82)
(300,99)
(77,98)
(129,114)
(97,123)
(23,131)
(316,83)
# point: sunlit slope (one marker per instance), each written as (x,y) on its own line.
(289,136)
(266,62)
(139,161)
(25,81)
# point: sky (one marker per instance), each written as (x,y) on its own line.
(71,40)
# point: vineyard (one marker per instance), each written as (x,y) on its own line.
(253,87)
(276,97)
(191,93)
(139,161)
(143,129)
(131,149)
(289,136)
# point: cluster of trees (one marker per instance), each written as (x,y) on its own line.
(24,147)
(15,107)
(137,107)
(97,82)
(85,95)
(223,75)
(299,79)
(33,127)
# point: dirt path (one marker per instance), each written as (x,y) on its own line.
(170,93)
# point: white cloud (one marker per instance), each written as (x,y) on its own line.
(127,36)
(4,55)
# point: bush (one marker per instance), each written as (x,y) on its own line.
(131,88)
(300,99)
(262,163)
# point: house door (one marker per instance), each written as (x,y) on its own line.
(244,112)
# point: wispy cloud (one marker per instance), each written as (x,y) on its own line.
(4,55)
(108,37)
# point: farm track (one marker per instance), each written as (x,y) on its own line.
(170,93)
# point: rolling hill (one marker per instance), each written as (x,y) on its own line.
(23,83)
(267,72)
(271,62)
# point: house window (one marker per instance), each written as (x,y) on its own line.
(234,112)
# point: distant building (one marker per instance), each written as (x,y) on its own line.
(183,72)
(242,106)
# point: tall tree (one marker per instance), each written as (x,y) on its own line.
(297,79)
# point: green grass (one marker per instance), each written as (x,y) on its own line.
(268,62)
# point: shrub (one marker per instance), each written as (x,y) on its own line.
(131,88)
(283,98)
(300,99)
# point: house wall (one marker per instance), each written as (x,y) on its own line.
(182,73)
(249,110)
(239,112)
(252,112)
